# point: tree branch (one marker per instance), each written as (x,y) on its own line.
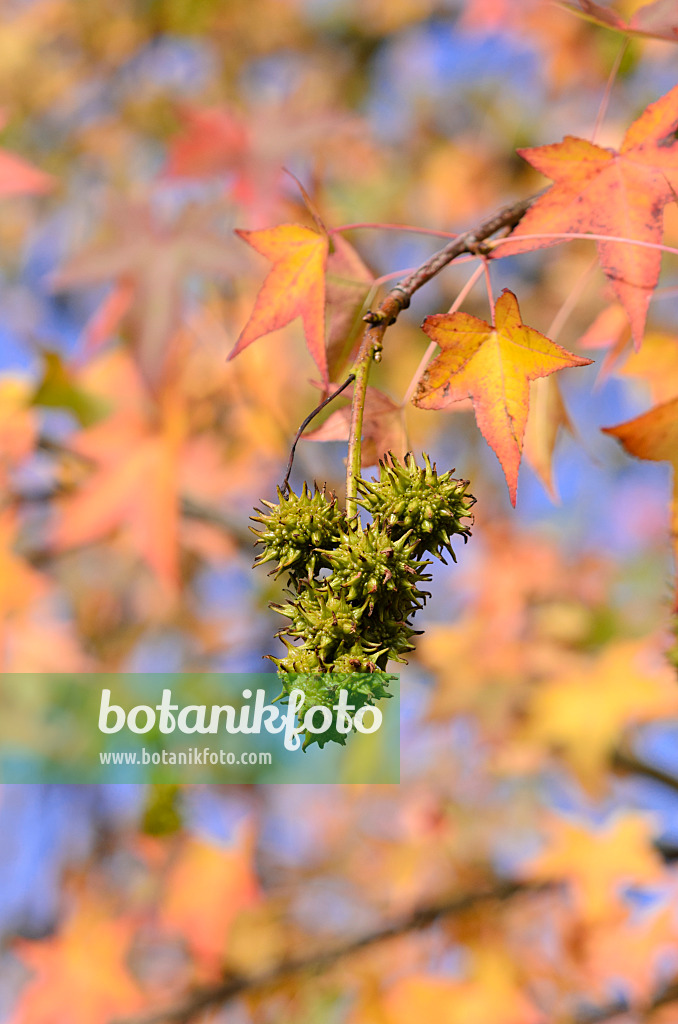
(388,311)
(234,987)
(625,761)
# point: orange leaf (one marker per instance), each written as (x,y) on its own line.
(584,713)
(19,178)
(134,485)
(493,366)
(81,973)
(207,887)
(611,193)
(654,436)
(149,261)
(656,364)
(295,286)
(491,994)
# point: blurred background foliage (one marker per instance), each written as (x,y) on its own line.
(539,703)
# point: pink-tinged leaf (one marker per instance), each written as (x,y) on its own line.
(383,428)
(608,192)
(347,286)
(149,262)
(610,330)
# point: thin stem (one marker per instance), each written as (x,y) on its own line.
(326,401)
(602,110)
(488,284)
(570,302)
(566,236)
(391,277)
(393,227)
(398,299)
(229,989)
(370,345)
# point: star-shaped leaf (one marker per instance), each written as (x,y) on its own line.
(654,436)
(493,366)
(295,286)
(149,260)
(609,192)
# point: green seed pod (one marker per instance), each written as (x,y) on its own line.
(371,566)
(297,531)
(355,588)
(411,498)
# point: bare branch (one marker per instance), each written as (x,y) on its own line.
(234,987)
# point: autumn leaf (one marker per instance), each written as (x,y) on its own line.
(658,20)
(610,330)
(18,424)
(656,364)
(148,262)
(348,283)
(596,863)
(584,713)
(383,429)
(606,192)
(654,436)
(205,913)
(295,286)
(492,365)
(81,974)
(248,148)
(548,416)
(492,993)
(135,468)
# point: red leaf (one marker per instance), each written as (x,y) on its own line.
(611,193)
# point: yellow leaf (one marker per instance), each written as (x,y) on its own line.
(492,365)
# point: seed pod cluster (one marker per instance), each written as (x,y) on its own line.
(354,588)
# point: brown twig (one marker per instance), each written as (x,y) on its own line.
(232,988)
(388,311)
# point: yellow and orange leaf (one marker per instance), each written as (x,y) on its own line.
(81,975)
(493,366)
(204,913)
(295,286)
(597,863)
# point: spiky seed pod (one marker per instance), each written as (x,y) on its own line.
(323,690)
(323,620)
(348,624)
(409,497)
(297,531)
(371,566)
